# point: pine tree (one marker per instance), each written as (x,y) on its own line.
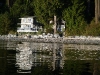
(46,9)
(73,15)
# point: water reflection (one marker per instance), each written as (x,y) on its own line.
(82,52)
(31,58)
(7,59)
(30,55)
(23,57)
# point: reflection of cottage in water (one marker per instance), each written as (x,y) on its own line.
(23,58)
(29,24)
(31,55)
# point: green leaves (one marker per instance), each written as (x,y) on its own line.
(73,15)
(45,9)
(4,23)
(71,10)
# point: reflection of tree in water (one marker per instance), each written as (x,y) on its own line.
(74,68)
(81,61)
(72,54)
(44,70)
(39,54)
(81,67)
(96,69)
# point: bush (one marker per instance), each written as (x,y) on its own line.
(50,30)
(93,29)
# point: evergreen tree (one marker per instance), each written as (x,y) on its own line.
(20,8)
(4,23)
(73,15)
(46,9)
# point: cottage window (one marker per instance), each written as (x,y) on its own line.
(29,20)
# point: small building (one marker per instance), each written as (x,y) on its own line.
(61,26)
(29,24)
(58,25)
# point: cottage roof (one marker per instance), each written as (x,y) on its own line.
(28,17)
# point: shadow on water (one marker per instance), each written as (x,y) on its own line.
(83,67)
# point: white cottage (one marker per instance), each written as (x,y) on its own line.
(28,24)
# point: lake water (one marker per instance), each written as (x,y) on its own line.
(29,58)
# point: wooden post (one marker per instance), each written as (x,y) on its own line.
(54,24)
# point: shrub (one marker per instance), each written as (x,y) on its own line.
(93,29)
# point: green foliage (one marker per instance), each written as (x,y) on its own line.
(45,9)
(93,29)
(71,10)
(50,30)
(24,8)
(4,23)
(3,9)
(73,15)
(20,8)
(39,32)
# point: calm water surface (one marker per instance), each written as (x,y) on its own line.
(29,58)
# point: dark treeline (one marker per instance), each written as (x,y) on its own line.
(79,15)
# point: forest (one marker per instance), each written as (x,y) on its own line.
(79,15)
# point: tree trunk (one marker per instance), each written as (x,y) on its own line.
(7,1)
(54,24)
(97,11)
(88,1)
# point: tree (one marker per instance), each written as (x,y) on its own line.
(20,8)
(3,7)
(4,23)
(46,9)
(24,8)
(73,15)
(97,11)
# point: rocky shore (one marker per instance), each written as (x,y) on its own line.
(65,40)
(94,41)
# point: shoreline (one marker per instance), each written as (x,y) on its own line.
(63,40)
